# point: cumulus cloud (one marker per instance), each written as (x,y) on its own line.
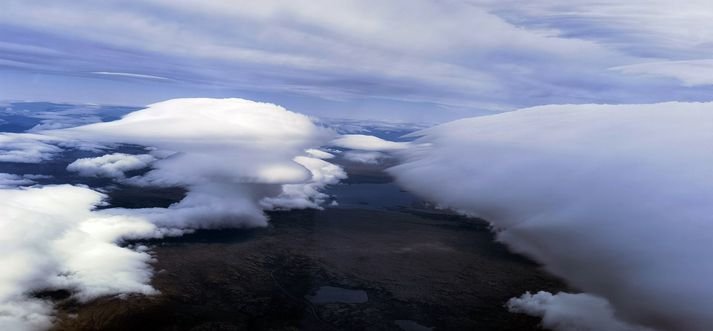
(613,198)
(570,312)
(229,153)
(110,165)
(307,195)
(53,240)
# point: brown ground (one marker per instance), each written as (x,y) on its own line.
(439,270)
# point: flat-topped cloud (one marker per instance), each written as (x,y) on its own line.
(367,143)
(228,153)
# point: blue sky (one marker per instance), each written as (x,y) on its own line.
(410,60)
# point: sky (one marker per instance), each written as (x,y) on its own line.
(415,60)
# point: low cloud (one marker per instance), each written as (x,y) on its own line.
(307,195)
(25,148)
(570,312)
(616,199)
(364,157)
(689,72)
(110,165)
(52,239)
(229,153)
(367,149)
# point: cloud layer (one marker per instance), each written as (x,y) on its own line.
(416,59)
(614,198)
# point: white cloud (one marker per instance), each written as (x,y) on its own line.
(307,195)
(613,198)
(570,312)
(367,143)
(52,239)
(365,157)
(12,180)
(25,148)
(110,165)
(319,154)
(229,153)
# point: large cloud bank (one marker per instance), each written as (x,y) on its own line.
(110,165)
(236,158)
(614,198)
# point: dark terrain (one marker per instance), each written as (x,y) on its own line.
(411,267)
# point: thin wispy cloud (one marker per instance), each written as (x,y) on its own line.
(129,75)
(445,59)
